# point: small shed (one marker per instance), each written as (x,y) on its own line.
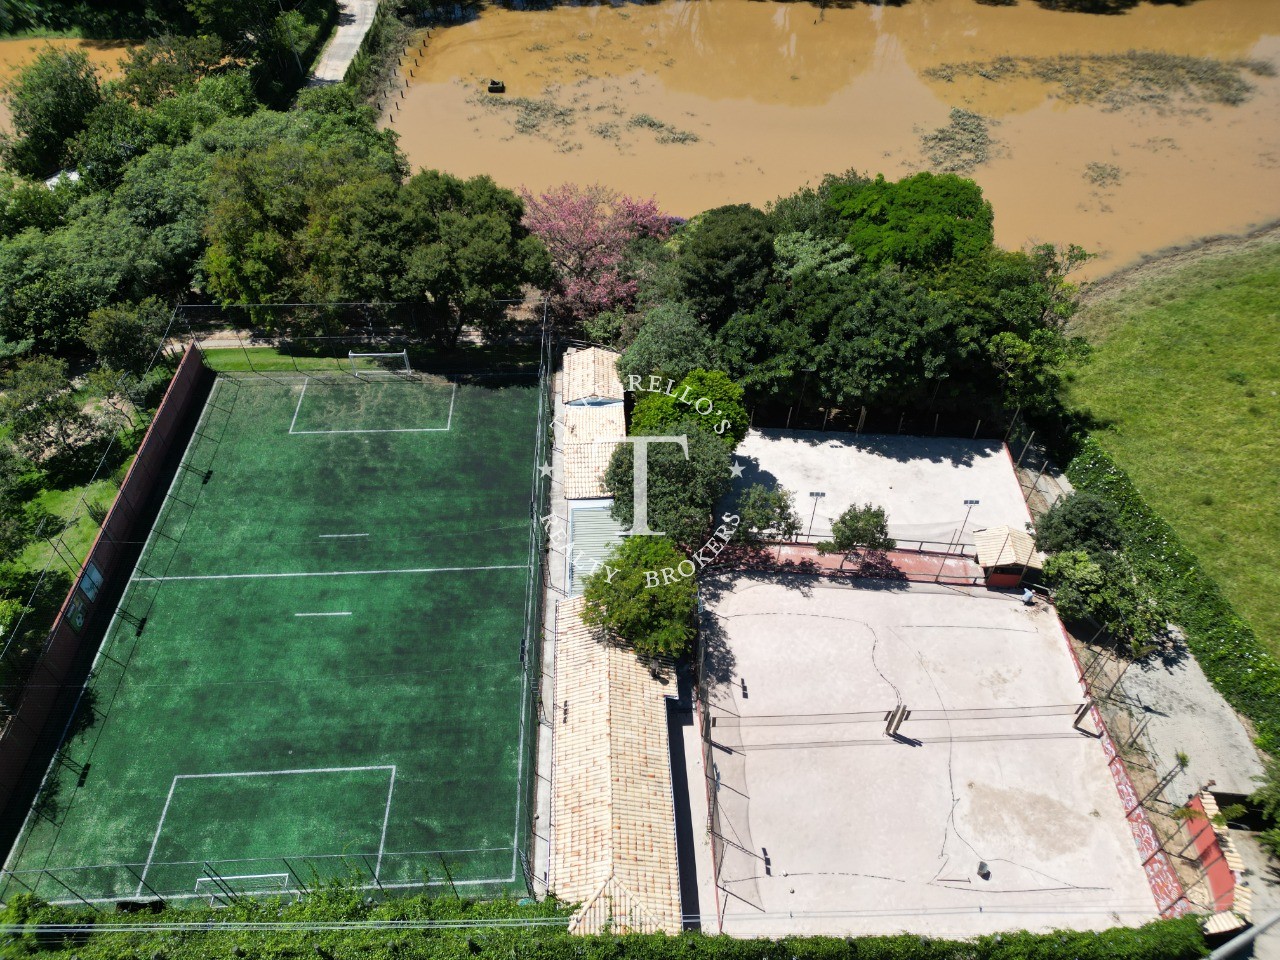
(1006,554)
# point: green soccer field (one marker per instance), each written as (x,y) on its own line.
(328,681)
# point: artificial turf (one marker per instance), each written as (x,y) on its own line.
(314,601)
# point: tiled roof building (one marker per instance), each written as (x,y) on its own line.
(613,822)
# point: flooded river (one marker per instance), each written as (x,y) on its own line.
(704,102)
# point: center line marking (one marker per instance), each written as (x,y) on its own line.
(331,536)
(342,613)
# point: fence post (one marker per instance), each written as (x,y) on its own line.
(1025,448)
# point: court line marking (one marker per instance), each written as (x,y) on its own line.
(489,881)
(142,879)
(297,408)
(329,573)
(336,613)
(386,817)
(248,876)
(339,536)
(448,425)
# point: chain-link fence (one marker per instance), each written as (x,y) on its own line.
(461,873)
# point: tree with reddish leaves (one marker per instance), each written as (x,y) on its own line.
(587,230)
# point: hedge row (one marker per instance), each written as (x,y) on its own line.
(1161,940)
(1224,644)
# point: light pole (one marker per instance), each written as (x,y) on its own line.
(816,495)
(969,505)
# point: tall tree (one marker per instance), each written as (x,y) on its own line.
(586,231)
(126,336)
(922,221)
(708,398)
(670,343)
(50,103)
(43,416)
(725,259)
(681,492)
(471,252)
(631,599)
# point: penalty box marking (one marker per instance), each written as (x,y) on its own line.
(448,424)
(386,813)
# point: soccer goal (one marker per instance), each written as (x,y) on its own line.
(393,364)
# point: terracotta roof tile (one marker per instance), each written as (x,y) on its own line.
(614,842)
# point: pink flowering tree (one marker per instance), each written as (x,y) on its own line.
(587,230)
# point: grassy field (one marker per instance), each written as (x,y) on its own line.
(1185,378)
(316,667)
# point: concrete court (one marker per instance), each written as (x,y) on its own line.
(865,835)
(922,482)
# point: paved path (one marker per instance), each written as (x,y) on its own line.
(354,19)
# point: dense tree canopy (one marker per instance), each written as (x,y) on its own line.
(922,221)
(670,343)
(707,398)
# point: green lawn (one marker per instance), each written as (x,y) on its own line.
(62,505)
(1185,377)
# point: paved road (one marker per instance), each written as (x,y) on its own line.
(354,19)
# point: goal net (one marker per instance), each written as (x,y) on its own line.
(380,364)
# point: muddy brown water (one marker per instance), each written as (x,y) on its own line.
(17,54)
(702,103)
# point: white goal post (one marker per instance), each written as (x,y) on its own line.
(396,363)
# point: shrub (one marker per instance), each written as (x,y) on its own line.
(1224,644)
(1081,521)
(767,513)
(859,527)
(1179,939)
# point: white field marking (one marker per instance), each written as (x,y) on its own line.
(249,876)
(299,405)
(330,573)
(239,773)
(448,425)
(386,816)
(12,858)
(340,536)
(156,839)
(336,613)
